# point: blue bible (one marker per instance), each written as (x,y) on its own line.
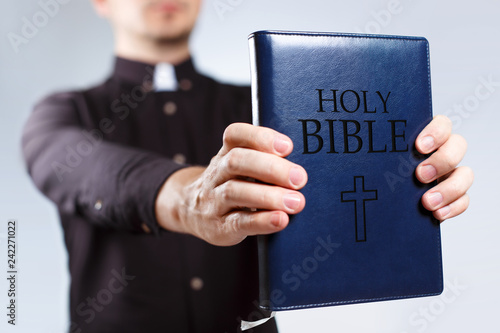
(353,106)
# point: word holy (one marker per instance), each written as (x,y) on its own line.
(355,134)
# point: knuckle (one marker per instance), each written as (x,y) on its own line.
(231,222)
(460,206)
(467,174)
(227,137)
(217,234)
(455,189)
(214,160)
(266,135)
(442,127)
(459,141)
(226,191)
(470,173)
(233,160)
(450,159)
(274,168)
(237,226)
(443,119)
(466,202)
(268,197)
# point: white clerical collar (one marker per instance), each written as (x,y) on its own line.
(164,78)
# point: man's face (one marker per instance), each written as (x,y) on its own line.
(168,20)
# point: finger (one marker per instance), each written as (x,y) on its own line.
(268,168)
(457,207)
(236,194)
(255,137)
(240,224)
(434,135)
(444,160)
(449,190)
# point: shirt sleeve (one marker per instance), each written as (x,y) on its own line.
(109,184)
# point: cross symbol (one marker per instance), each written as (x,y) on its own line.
(359,196)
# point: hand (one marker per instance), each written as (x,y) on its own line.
(449,197)
(214,203)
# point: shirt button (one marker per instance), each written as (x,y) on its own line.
(170,108)
(185,84)
(147,86)
(196,283)
(145,228)
(179,159)
(98,205)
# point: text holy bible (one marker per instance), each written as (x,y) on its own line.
(353,106)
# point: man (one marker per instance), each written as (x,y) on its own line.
(157,243)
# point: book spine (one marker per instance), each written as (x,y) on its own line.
(252,47)
(264,295)
(261,239)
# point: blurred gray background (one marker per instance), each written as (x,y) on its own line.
(73,49)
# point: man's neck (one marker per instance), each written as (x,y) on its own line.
(153,51)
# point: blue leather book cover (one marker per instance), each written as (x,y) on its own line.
(353,106)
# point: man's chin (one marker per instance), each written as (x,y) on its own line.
(170,37)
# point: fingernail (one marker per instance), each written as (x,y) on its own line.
(435,199)
(281,145)
(427,143)
(296,176)
(291,201)
(443,212)
(428,172)
(276,219)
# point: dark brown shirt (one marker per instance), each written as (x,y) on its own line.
(101,155)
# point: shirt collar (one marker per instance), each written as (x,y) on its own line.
(165,78)
(136,72)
